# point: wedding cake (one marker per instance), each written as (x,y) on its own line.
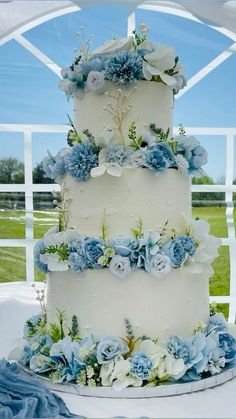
(127,268)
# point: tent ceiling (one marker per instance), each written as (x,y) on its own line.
(18,16)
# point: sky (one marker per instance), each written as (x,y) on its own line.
(29,90)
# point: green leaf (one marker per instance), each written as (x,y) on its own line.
(54,332)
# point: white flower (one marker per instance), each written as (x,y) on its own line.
(111,168)
(105,138)
(182,163)
(53,238)
(207,248)
(158,265)
(163,363)
(53,262)
(157,62)
(115,45)
(120,266)
(96,82)
(117,374)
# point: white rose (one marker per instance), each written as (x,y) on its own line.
(157,62)
(158,265)
(95,82)
(114,46)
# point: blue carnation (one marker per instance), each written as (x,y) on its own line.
(81,160)
(167,153)
(94,64)
(188,244)
(77,262)
(177,347)
(38,248)
(124,67)
(116,154)
(175,251)
(228,344)
(154,159)
(141,365)
(93,249)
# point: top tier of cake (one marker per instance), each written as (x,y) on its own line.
(144,103)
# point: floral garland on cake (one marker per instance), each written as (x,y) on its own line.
(122,61)
(59,353)
(154,252)
(88,156)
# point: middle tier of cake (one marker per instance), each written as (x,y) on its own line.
(138,193)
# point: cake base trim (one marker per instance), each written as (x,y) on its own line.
(162,390)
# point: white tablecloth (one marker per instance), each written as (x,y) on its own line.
(17,303)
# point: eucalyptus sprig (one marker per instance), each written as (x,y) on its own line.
(135,142)
(72,135)
(182,130)
(142,36)
(104,227)
(61,249)
(159,132)
(129,338)
(138,232)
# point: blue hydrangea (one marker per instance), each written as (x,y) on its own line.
(177,347)
(188,244)
(73,83)
(109,347)
(141,365)
(154,159)
(81,160)
(116,154)
(228,344)
(38,248)
(216,324)
(93,250)
(77,262)
(175,251)
(124,67)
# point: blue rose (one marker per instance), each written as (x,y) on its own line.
(199,158)
(93,249)
(109,347)
(141,365)
(228,344)
(77,262)
(167,153)
(122,245)
(175,251)
(188,244)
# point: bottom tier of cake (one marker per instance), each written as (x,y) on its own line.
(156,307)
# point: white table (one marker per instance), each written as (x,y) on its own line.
(17,303)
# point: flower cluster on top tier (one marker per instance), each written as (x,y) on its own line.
(88,156)
(152,252)
(123,362)
(123,61)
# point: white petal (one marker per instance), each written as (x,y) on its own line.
(98,171)
(115,170)
(169,80)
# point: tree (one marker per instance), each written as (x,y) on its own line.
(206,198)
(39,175)
(11,170)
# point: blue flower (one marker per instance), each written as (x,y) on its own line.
(72,83)
(81,160)
(177,347)
(122,245)
(93,249)
(167,153)
(38,248)
(228,344)
(120,266)
(198,356)
(175,251)
(216,324)
(185,145)
(94,64)
(83,348)
(53,166)
(41,363)
(116,154)
(188,244)
(198,159)
(124,67)
(32,321)
(141,365)
(77,262)
(154,159)
(109,347)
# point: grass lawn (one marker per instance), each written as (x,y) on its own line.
(12,260)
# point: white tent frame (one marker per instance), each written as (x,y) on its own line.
(29,188)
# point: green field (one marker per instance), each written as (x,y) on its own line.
(12,260)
